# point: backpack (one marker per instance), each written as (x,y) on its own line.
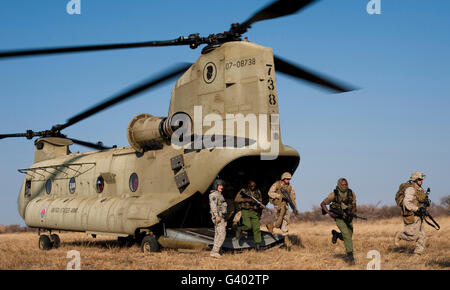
(400,195)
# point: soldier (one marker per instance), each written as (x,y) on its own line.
(344,200)
(218,207)
(412,206)
(250,211)
(281,206)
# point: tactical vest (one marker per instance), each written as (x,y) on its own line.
(340,203)
(250,205)
(219,203)
(419,200)
(280,201)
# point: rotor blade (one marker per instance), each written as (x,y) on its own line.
(303,74)
(98,145)
(126,95)
(86,48)
(29,134)
(277,9)
(13,135)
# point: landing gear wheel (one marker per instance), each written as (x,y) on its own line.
(56,241)
(45,243)
(149,244)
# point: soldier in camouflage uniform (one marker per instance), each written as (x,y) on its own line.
(281,206)
(250,211)
(218,208)
(412,205)
(342,199)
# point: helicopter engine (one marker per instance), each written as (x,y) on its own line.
(147,132)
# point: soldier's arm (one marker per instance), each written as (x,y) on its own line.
(326,202)
(239,198)
(354,203)
(259,197)
(409,197)
(273,192)
(213,205)
(293,196)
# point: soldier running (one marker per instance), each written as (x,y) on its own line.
(281,206)
(342,199)
(412,205)
(218,208)
(250,211)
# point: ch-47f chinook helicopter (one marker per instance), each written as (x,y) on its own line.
(156,189)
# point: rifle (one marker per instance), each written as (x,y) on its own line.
(342,214)
(423,212)
(289,200)
(253,199)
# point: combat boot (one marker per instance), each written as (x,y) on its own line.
(335,236)
(270,228)
(257,247)
(215,255)
(350,259)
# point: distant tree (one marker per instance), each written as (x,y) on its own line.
(445,201)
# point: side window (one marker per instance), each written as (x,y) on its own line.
(48,186)
(28,188)
(134,182)
(100,184)
(72,185)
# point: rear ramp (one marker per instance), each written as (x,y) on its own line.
(203,238)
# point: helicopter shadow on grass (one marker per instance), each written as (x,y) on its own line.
(340,256)
(101,244)
(443,262)
(401,249)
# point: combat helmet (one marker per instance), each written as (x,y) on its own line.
(218,182)
(417,175)
(286,175)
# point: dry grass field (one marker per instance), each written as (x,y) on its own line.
(313,250)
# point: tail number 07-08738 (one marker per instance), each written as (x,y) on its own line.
(240,63)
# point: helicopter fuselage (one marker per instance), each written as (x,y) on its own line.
(123,190)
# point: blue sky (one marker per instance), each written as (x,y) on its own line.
(396,123)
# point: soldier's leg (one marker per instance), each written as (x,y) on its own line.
(281,212)
(219,236)
(285,230)
(256,227)
(246,222)
(237,218)
(347,232)
(222,230)
(285,224)
(216,245)
(411,231)
(420,244)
